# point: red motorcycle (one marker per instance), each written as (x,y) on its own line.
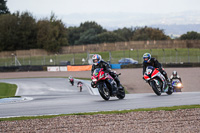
(71,80)
(106,85)
(157,81)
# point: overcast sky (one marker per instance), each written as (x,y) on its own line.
(92,6)
(65,8)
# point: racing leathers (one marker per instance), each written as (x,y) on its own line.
(154,62)
(175,77)
(107,69)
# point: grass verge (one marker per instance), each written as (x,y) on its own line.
(7,90)
(105,112)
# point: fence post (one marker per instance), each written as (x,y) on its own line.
(44,60)
(137,55)
(30,60)
(198,55)
(176,54)
(151,51)
(188,55)
(170,56)
(110,57)
(73,58)
(130,52)
(164,55)
(55,59)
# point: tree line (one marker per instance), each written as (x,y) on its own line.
(21,31)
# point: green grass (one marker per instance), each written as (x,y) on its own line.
(104,112)
(166,56)
(7,90)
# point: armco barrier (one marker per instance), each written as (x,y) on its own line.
(86,67)
(79,68)
(131,66)
(22,68)
(115,66)
(164,65)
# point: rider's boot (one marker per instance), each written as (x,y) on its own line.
(118,82)
(167,79)
(168,82)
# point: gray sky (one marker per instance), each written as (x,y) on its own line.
(65,9)
(98,6)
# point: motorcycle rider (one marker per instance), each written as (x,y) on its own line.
(99,63)
(71,80)
(80,84)
(175,76)
(149,61)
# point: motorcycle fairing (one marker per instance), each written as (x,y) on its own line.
(157,73)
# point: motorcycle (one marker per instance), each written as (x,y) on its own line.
(157,81)
(106,85)
(71,80)
(177,85)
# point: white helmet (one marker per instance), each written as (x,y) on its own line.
(174,73)
(96,59)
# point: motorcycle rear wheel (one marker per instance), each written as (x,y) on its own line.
(170,91)
(121,93)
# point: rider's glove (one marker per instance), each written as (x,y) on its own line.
(160,69)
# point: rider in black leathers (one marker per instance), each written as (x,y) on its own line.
(99,63)
(148,61)
(175,76)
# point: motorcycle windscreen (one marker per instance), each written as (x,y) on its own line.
(96,71)
(149,70)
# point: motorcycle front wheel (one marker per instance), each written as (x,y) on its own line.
(155,89)
(104,92)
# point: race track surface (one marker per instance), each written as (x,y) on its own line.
(47,96)
(130,78)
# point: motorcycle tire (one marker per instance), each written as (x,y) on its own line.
(121,93)
(104,92)
(153,85)
(170,91)
(177,90)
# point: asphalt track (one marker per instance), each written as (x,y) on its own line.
(50,96)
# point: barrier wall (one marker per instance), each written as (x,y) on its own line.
(79,68)
(164,65)
(56,68)
(53,69)
(115,66)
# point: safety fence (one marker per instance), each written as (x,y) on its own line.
(185,55)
